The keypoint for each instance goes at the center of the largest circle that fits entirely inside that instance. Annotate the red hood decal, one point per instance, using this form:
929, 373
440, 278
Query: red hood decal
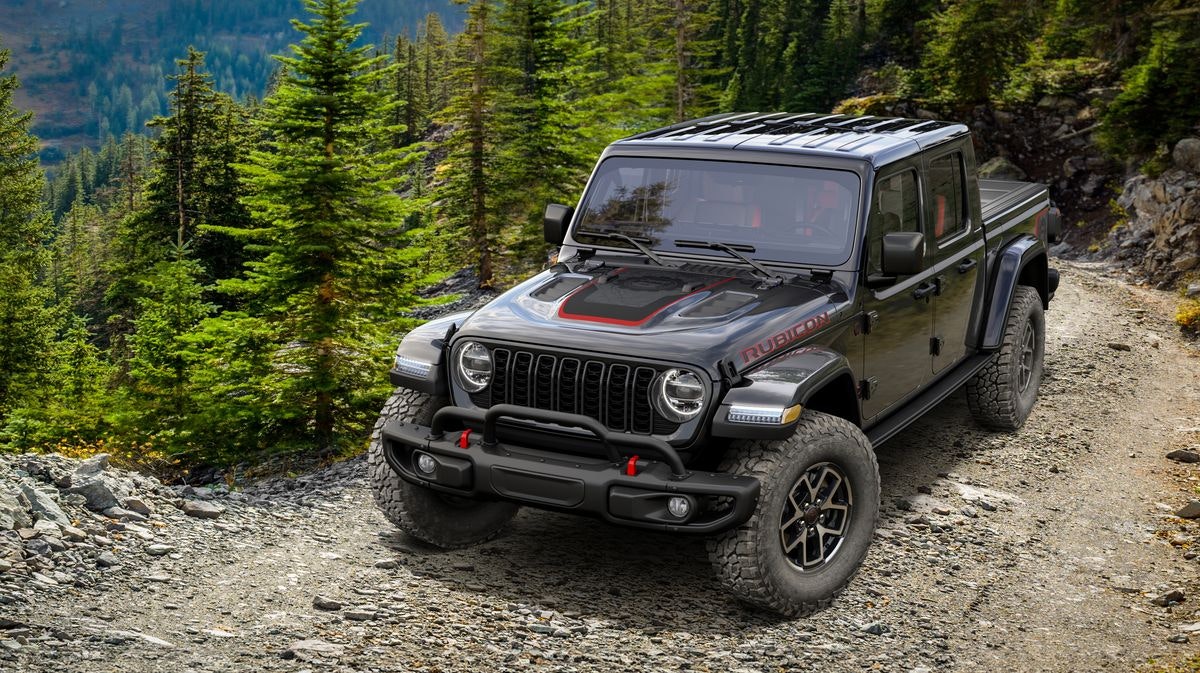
629, 299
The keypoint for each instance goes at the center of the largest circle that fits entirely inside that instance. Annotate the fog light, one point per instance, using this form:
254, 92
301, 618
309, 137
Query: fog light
679, 506
426, 464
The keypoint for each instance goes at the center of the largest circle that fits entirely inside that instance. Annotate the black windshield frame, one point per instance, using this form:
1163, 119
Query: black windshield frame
787, 193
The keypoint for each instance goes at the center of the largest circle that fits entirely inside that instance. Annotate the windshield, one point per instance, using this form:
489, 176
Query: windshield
788, 214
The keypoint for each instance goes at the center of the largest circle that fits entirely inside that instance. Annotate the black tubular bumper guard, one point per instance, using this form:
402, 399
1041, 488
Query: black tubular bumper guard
615, 488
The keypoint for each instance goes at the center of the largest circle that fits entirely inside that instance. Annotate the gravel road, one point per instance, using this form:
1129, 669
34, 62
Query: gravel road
1052, 549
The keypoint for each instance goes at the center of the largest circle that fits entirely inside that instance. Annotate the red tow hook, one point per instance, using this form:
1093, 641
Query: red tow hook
631, 466
464, 440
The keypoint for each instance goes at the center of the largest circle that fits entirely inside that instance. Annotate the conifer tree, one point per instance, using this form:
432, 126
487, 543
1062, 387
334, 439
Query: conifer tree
325, 227
25, 338
468, 188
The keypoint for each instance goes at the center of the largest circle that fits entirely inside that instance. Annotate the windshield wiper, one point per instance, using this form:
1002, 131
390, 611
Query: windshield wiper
735, 249
638, 242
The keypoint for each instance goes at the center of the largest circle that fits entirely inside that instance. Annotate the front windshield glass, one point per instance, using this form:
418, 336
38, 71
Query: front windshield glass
789, 214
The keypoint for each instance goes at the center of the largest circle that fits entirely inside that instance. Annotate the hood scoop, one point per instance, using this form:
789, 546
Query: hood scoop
648, 283
559, 287
720, 304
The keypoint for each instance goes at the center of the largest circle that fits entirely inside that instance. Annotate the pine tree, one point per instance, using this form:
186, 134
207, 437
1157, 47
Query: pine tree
468, 187
25, 338
326, 227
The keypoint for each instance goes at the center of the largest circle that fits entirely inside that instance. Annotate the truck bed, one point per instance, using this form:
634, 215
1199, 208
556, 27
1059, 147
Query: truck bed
1002, 197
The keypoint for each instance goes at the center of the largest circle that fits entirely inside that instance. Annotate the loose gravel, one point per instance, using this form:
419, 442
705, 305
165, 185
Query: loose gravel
1056, 548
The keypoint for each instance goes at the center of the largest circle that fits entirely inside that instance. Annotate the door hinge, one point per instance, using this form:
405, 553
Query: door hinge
869, 320
866, 387
935, 346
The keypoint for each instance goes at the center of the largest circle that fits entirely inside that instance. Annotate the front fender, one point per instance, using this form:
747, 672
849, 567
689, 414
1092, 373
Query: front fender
418, 361
778, 388
1012, 265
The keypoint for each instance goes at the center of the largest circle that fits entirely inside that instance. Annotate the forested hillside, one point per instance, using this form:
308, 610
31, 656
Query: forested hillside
91, 70
232, 280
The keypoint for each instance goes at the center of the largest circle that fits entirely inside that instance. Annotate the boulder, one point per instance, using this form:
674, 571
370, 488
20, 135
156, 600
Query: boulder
97, 490
14, 510
1187, 155
999, 168
43, 506
201, 509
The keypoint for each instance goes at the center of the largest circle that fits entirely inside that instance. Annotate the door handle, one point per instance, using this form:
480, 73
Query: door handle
967, 264
924, 290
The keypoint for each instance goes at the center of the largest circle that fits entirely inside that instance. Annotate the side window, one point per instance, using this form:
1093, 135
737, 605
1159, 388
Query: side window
896, 207
946, 190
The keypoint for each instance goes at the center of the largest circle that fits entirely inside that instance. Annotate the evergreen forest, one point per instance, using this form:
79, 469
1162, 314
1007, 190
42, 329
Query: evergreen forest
228, 281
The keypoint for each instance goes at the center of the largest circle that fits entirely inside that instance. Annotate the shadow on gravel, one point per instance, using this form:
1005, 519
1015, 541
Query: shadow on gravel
648, 581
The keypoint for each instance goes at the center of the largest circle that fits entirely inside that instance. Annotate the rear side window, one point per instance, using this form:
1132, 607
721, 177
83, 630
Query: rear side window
896, 207
946, 190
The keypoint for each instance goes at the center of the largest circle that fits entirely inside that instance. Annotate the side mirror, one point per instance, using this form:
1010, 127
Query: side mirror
903, 253
555, 222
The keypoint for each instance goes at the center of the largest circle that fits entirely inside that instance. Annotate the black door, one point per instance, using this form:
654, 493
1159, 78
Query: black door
897, 344
957, 249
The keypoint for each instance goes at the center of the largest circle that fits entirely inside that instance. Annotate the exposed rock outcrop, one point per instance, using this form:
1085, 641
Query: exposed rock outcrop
1161, 241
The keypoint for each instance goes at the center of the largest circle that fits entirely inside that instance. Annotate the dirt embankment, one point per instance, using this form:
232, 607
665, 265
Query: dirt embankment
1056, 548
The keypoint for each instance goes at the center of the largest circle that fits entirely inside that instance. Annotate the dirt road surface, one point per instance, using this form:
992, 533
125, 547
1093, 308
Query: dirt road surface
1041, 550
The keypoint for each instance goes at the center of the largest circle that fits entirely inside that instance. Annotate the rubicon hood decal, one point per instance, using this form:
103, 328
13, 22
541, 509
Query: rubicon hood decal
631, 299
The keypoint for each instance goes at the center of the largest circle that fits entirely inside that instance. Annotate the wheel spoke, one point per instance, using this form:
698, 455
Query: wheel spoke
816, 516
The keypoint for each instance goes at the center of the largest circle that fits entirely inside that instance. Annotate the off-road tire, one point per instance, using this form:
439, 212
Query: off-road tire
750, 560
994, 394
442, 521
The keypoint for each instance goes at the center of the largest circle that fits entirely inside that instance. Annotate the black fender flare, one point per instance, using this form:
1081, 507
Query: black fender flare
1010, 266
425, 348
781, 384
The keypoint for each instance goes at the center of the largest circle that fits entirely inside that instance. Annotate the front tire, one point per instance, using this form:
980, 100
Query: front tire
816, 515
441, 520
1003, 393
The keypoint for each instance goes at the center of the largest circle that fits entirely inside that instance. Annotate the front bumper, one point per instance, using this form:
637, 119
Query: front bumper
622, 488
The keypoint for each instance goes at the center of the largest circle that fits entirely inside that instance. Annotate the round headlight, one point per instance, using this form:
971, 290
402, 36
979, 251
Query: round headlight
473, 367
680, 395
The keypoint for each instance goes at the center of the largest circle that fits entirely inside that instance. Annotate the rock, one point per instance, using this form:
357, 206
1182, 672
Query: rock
1178, 638
874, 628
43, 506
46, 527
91, 467
969, 511
159, 549
1000, 168
387, 564
1118, 346
326, 603
544, 629
137, 505
360, 614
122, 514
1190, 510
201, 509
986, 505
312, 647
14, 511
37, 547
97, 491
107, 560
1183, 456
1169, 598
1186, 154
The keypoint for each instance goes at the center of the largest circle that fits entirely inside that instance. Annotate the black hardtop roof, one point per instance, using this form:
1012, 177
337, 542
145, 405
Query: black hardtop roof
879, 140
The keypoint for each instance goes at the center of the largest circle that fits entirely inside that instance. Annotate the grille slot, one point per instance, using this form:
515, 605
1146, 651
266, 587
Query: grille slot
614, 393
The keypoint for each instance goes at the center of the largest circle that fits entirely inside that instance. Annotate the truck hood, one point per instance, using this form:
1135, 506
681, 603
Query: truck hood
693, 313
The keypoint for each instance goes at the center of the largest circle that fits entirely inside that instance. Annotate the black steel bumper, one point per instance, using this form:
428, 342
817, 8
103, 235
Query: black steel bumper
621, 488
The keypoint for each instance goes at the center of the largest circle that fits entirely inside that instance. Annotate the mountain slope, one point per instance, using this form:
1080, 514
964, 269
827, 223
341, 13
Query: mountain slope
90, 68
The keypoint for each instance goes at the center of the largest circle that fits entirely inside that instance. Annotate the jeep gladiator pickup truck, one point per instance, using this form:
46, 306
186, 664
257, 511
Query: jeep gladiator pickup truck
741, 308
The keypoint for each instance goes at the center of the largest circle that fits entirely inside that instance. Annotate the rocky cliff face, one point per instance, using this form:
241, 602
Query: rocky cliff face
1161, 241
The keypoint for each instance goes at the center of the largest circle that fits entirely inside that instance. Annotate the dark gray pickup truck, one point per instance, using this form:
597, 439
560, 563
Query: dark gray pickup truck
742, 307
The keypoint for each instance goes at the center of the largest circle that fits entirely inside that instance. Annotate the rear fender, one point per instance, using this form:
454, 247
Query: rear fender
1022, 262
775, 389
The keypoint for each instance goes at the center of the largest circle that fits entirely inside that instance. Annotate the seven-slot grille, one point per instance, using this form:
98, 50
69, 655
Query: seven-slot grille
616, 394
